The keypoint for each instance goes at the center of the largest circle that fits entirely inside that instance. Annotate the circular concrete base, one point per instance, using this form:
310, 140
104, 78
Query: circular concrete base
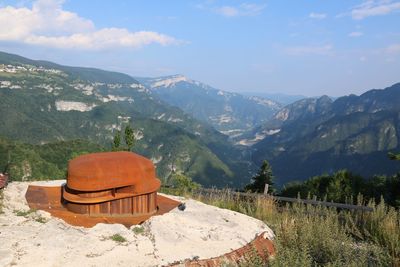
200, 234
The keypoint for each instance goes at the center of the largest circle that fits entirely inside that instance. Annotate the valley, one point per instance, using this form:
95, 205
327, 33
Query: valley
90, 104
216, 137
230, 113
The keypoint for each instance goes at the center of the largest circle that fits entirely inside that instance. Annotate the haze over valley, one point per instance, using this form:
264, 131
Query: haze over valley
199, 132
216, 137
312, 89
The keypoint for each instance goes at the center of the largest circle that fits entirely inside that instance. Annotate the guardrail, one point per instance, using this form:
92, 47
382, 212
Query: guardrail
288, 199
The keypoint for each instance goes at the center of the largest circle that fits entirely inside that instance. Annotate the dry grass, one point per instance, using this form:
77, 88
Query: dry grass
381, 227
318, 236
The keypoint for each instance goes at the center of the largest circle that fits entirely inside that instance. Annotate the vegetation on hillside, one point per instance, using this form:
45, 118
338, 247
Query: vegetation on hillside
393, 156
258, 181
231, 113
181, 183
318, 236
49, 161
26, 162
129, 140
344, 187
319, 135
129, 137
308, 235
30, 100
116, 144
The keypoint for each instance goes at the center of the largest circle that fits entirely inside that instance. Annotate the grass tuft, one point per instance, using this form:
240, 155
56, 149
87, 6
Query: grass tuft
138, 230
24, 213
40, 219
118, 238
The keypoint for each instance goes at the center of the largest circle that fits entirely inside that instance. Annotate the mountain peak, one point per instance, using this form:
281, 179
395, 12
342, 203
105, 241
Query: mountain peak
169, 81
325, 98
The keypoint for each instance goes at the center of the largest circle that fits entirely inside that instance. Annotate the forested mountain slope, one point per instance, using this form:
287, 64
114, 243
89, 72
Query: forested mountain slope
44, 102
313, 136
230, 113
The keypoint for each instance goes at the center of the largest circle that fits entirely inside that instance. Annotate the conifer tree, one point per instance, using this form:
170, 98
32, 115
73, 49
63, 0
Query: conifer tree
264, 176
393, 156
129, 137
117, 141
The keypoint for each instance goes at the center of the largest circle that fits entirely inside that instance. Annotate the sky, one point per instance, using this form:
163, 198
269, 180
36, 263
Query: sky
303, 47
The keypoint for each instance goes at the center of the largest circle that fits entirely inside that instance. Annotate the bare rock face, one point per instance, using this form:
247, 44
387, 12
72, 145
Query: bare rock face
73, 105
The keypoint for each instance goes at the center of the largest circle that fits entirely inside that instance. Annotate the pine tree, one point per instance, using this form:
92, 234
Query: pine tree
117, 141
393, 156
129, 137
264, 176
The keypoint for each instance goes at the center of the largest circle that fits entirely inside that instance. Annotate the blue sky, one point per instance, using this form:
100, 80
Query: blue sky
296, 47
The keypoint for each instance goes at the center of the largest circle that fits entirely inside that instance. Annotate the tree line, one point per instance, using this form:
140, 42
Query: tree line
128, 138
342, 186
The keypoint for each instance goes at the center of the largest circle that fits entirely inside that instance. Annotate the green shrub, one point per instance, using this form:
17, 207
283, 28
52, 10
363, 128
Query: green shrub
40, 219
180, 183
138, 230
118, 238
23, 213
251, 258
380, 227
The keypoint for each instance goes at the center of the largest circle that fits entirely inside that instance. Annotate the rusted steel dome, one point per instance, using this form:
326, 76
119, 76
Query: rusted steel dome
111, 183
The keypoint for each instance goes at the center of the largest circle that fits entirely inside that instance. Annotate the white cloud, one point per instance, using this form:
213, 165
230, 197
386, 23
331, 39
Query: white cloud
309, 50
317, 15
46, 23
244, 9
104, 38
356, 34
363, 58
374, 8
393, 49
252, 9
227, 11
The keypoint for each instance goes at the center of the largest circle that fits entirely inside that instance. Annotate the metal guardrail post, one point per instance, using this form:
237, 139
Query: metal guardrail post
266, 189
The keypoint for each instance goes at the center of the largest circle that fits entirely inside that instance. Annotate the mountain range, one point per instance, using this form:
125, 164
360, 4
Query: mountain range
230, 113
42, 102
283, 99
318, 135
216, 137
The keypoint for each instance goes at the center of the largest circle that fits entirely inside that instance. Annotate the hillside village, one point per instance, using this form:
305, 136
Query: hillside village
26, 68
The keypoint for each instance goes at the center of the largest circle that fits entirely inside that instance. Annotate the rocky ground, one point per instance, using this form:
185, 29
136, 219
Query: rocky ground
34, 238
